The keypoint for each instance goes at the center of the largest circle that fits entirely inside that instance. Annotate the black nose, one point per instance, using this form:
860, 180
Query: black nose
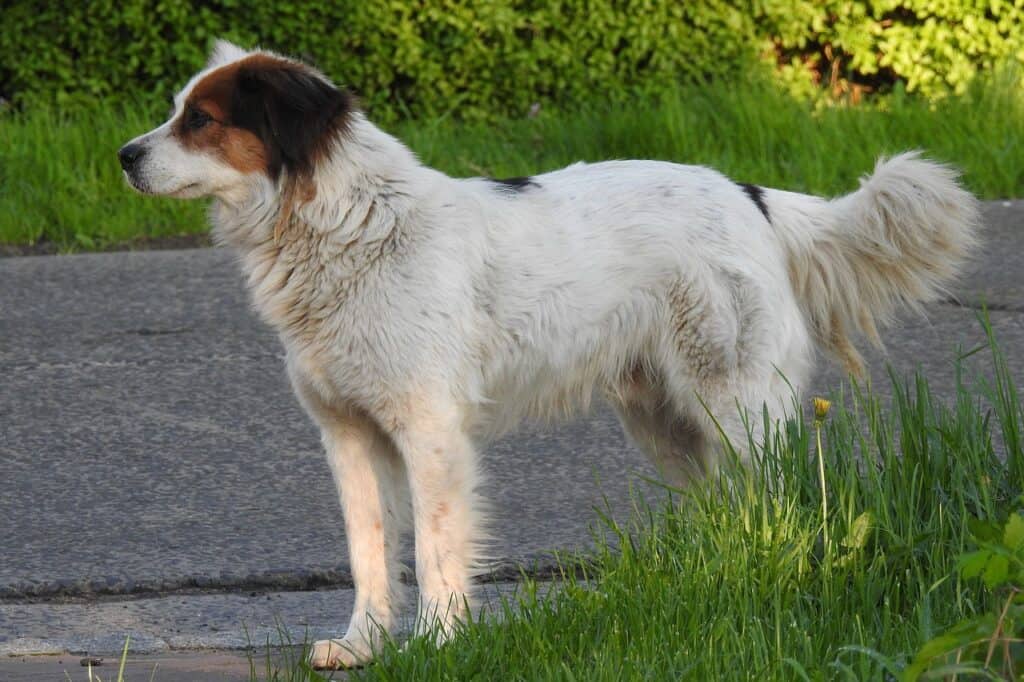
130, 154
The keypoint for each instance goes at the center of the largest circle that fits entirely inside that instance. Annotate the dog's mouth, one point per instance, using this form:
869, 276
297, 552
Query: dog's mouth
136, 184
186, 191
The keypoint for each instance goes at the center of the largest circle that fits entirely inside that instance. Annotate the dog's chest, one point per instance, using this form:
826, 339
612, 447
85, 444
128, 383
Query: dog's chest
361, 347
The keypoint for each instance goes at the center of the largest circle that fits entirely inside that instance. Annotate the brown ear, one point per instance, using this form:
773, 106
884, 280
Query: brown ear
294, 110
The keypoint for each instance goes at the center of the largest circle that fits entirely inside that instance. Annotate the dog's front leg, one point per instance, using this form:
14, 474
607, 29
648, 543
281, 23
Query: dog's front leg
371, 483
442, 467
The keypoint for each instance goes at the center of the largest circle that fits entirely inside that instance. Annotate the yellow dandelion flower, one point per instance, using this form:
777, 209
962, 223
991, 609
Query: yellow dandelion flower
821, 407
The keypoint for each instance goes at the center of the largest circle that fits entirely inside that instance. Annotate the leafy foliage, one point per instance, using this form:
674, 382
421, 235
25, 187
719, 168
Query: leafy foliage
931, 46
988, 643
483, 59
425, 57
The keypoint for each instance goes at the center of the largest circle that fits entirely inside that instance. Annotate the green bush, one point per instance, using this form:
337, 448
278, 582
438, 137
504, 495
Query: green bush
424, 57
932, 46
477, 58
472, 58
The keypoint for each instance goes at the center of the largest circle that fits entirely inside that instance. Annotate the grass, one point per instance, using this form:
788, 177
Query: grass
62, 183
736, 580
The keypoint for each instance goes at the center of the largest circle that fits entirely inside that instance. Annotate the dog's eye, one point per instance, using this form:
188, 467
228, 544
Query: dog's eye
196, 119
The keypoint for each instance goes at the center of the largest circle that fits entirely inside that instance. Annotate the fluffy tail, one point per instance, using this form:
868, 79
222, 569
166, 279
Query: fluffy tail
899, 240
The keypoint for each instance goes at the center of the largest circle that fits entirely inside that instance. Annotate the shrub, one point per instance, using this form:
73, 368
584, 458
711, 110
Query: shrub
478, 59
424, 57
933, 46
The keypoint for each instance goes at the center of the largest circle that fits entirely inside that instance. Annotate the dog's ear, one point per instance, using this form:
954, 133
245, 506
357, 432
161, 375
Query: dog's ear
295, 110
224, 52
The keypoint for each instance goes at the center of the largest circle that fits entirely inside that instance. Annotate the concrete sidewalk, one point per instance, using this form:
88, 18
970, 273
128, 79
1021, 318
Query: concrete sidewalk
213, 666
150, 446
190, 636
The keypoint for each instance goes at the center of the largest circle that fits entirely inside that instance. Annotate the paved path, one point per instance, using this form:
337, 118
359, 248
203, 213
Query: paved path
149, 441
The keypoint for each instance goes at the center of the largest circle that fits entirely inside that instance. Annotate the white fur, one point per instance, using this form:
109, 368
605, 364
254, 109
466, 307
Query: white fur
422, 315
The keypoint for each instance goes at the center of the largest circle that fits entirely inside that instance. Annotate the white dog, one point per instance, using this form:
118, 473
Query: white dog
423, 314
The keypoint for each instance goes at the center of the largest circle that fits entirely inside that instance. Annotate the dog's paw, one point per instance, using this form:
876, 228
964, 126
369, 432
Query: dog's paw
334, 654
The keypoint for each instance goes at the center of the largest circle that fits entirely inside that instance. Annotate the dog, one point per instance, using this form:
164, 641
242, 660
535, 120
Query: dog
422, 315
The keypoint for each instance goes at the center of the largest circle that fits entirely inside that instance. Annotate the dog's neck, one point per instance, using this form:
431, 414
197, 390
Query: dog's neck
348, 216
355, 194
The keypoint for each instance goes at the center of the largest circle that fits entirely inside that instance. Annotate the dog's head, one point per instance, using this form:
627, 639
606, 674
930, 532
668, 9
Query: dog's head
245, 117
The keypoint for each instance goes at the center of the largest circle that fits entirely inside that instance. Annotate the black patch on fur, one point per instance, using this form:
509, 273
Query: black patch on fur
756, 195
514, 185
293, 110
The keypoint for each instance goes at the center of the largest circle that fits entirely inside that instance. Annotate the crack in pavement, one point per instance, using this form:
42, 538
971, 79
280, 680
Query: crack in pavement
541, 567
245, 621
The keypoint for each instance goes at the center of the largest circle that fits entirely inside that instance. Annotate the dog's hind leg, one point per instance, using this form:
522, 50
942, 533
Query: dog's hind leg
673, 442
689, 443
720, 361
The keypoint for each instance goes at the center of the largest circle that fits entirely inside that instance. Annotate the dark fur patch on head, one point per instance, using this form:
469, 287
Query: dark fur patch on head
268, 113
293, 109
756, 195
514, 185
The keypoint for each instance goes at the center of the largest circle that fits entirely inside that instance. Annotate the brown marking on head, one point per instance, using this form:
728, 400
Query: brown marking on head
266, 113
207, 122
270, 115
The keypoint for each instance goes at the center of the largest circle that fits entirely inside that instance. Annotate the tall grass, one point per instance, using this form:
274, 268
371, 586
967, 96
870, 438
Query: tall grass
61, 181
734, 581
